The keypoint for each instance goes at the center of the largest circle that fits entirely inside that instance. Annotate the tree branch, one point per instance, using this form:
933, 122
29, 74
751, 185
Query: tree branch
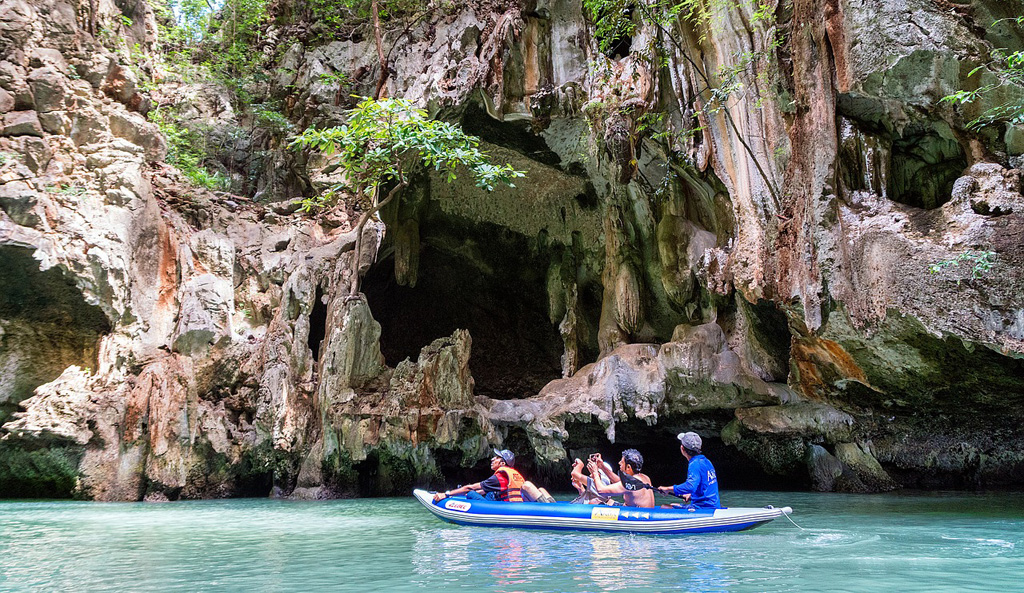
725, 108
402, 183
379, 40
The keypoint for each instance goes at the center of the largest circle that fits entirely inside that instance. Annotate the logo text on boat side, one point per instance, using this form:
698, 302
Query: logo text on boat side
605, 514
457, 505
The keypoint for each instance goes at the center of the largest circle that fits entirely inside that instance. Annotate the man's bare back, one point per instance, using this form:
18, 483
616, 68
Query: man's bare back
643, 498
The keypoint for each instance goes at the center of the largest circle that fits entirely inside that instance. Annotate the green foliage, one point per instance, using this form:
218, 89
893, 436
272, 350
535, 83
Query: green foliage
1006, 70
186, 150
674, 22
331, 78
110, 36
979, 262
113, 34
343, 19
613, 19
271, 120
241, 29
190, 18
222, 44
381, 139
66, 189
38, 473
183, 27
226, 43
653, 125
341, 81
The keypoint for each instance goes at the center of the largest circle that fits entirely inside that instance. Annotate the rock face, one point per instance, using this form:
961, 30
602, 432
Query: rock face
823, 278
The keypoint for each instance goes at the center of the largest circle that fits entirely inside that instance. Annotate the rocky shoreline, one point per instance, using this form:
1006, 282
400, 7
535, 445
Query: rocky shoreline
162, 341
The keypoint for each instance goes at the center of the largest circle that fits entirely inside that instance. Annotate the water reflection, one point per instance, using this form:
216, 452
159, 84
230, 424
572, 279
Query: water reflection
624, 561
606, 563
513, 561
442, 551
909, 543
707, 574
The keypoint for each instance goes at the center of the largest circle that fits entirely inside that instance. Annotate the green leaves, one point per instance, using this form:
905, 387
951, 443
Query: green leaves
1004, 84
186, 150
961, 97
380, 139
215, 40
612, 19
980, 263
343, 19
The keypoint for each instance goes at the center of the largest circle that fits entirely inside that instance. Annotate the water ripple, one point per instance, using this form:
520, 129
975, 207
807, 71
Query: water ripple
850, 544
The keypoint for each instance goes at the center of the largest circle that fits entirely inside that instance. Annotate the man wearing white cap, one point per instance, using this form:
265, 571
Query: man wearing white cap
701, 486
507, 484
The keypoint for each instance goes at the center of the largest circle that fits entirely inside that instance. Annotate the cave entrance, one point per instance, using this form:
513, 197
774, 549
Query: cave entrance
45, 327
916, 165
317, 324
479, 277
662, 460
924, 167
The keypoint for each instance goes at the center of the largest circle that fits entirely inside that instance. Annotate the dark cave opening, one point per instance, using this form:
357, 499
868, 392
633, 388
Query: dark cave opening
482, 278
515, 135
915, 165
38, 472
317, 324
924, 167
45, 326
769, 342
663, 461
384, 474
619, 47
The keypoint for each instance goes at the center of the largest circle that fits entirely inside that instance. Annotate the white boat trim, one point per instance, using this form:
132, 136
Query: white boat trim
721, 518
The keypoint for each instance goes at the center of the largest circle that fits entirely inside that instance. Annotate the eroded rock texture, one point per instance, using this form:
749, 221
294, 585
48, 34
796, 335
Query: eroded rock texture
760, 276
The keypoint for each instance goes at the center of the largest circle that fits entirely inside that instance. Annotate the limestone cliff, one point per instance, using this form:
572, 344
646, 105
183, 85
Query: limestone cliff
759, 273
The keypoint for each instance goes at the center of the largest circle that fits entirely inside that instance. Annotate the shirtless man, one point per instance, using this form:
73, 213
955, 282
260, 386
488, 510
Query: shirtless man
630, 464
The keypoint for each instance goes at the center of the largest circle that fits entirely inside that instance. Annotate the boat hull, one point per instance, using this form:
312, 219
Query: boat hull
564, 516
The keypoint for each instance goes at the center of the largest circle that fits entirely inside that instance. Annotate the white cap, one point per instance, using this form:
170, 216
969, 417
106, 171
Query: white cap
690, 440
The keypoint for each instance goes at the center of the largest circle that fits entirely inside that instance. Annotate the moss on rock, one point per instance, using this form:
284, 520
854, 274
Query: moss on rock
39, 473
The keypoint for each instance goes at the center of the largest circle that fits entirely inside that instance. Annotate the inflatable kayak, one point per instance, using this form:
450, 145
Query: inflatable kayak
584, 517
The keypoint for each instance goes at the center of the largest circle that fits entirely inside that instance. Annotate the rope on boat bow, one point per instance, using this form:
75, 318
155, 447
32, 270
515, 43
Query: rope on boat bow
786, 515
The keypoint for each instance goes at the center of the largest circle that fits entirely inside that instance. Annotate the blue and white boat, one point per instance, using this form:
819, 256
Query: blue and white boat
584, 517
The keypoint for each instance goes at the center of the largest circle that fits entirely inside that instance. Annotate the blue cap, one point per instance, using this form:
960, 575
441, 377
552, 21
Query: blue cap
507, 456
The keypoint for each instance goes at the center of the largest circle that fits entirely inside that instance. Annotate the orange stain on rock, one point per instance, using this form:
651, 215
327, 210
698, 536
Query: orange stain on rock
820, 362
167, 275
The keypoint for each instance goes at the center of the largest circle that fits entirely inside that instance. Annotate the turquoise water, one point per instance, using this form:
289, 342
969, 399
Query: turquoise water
878, 543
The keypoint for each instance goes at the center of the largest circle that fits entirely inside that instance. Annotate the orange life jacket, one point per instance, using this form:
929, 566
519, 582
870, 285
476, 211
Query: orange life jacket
513, 491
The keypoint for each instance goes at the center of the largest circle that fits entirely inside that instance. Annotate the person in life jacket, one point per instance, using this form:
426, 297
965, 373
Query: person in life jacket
701, 486
507, 484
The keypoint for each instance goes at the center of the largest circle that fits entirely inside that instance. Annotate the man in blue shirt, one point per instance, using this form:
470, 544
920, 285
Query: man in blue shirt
701, 486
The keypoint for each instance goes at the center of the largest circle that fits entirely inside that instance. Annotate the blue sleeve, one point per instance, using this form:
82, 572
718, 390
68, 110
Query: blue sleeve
691, 483
491, 484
